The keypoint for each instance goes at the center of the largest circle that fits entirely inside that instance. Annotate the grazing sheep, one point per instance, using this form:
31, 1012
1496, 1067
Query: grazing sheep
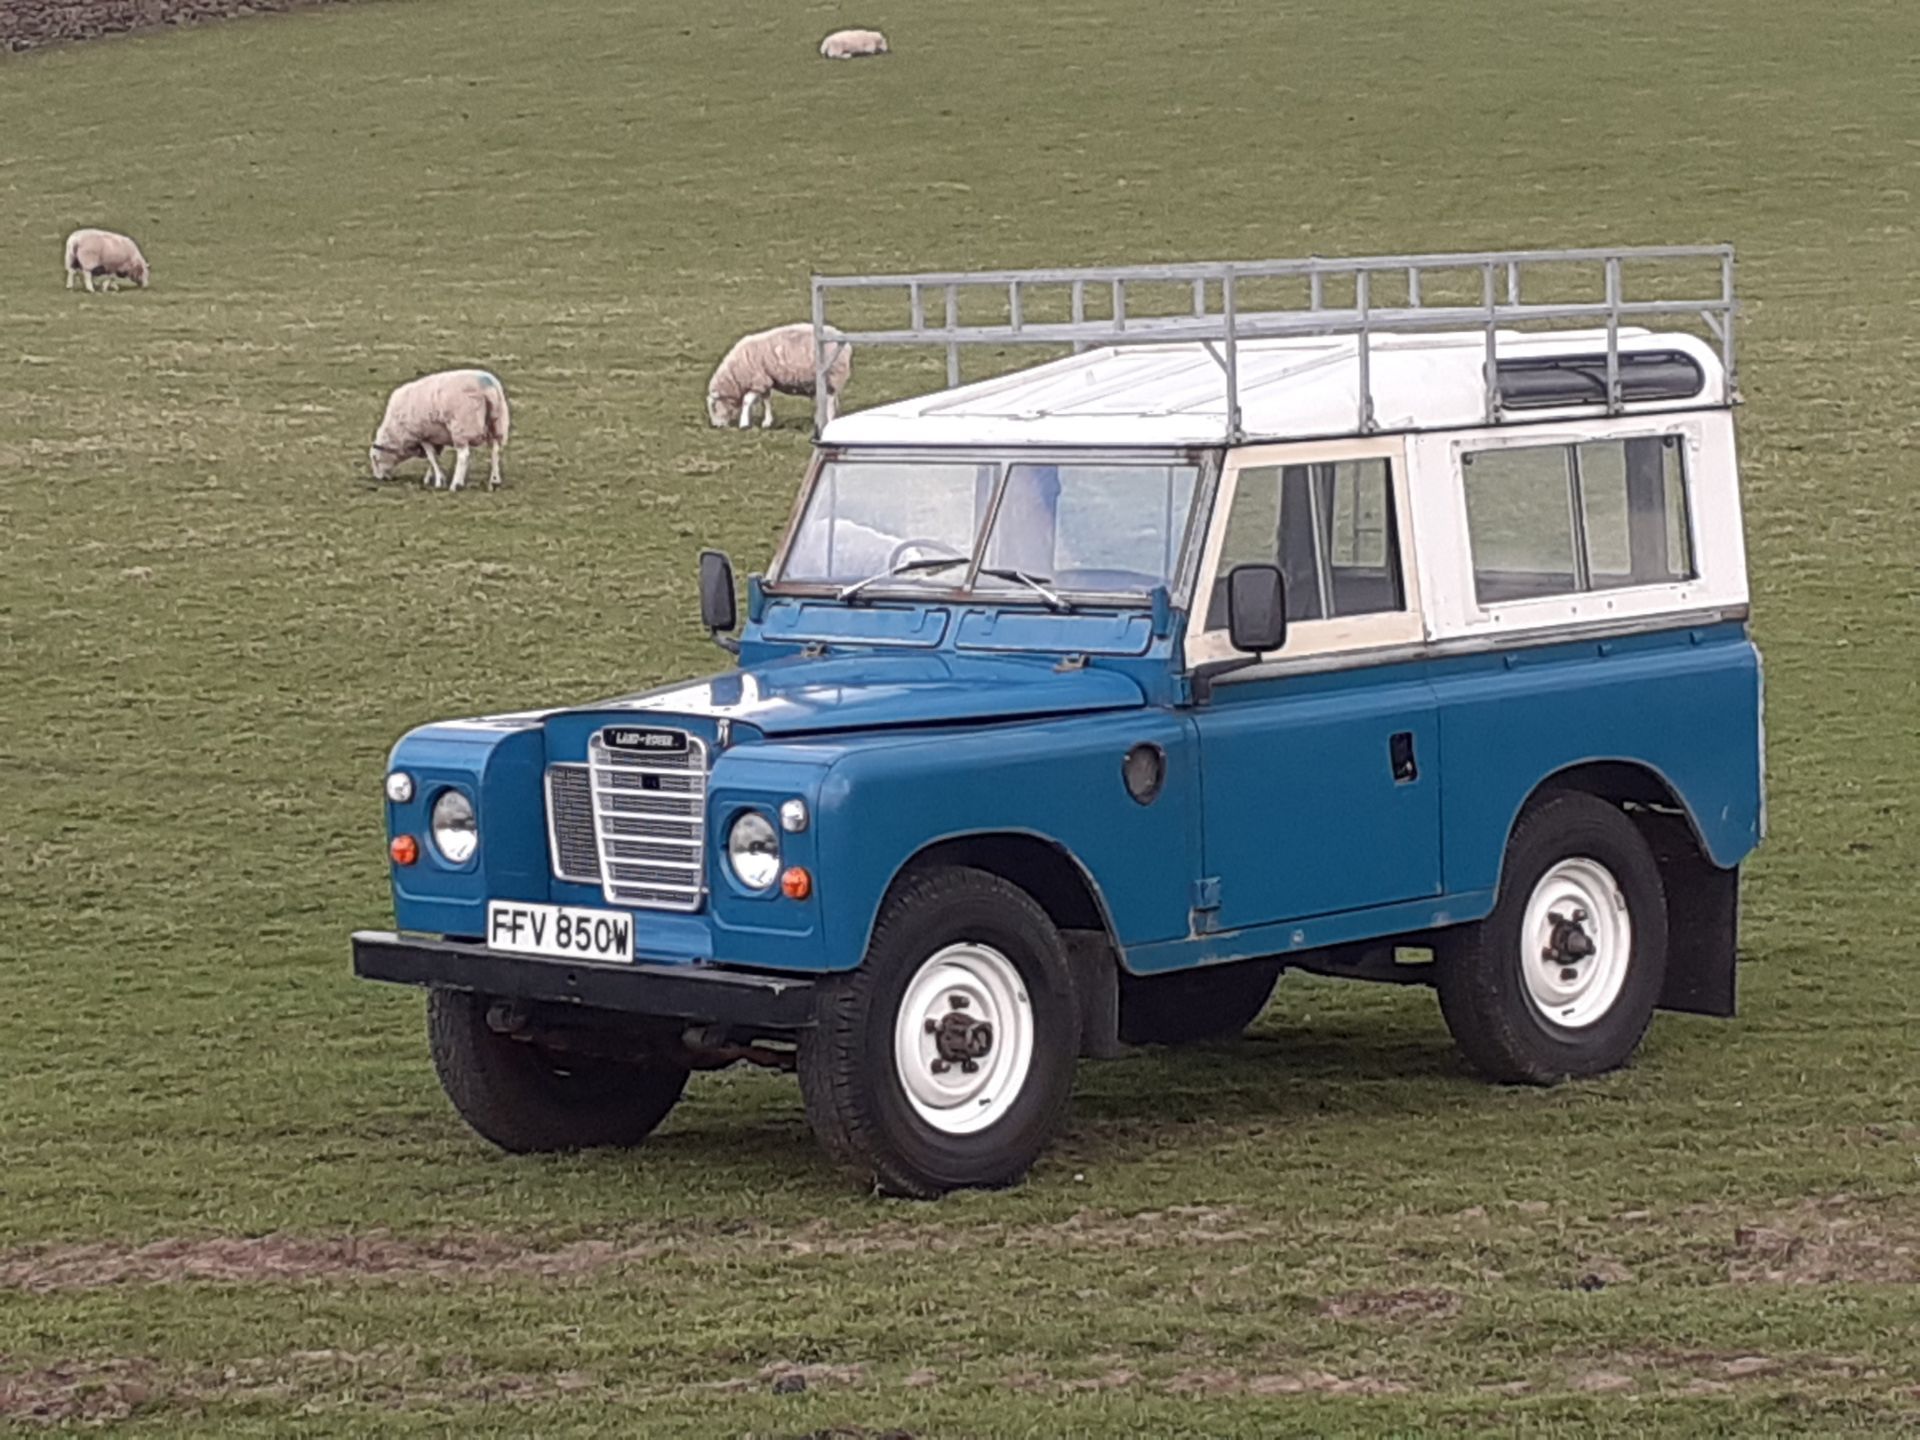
778, 359
461, 408
110, 256
858, 550
852, 44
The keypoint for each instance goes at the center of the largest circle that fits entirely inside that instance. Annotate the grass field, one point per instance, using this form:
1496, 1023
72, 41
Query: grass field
231, 1193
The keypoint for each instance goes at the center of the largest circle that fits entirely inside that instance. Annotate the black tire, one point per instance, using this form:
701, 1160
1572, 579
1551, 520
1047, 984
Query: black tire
855, 1098
526, 1099
1215, 1002
1483, 991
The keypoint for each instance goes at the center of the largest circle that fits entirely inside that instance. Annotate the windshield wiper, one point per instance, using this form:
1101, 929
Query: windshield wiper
1036, 583
906, 567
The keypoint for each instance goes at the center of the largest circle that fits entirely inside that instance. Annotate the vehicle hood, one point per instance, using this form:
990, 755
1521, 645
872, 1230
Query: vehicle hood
853, 692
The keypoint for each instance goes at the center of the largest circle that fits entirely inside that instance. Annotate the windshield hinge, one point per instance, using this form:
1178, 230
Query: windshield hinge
1070, 662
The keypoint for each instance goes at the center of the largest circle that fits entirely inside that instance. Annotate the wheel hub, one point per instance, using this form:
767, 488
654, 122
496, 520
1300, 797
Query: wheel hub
1579, 939
963, 1038
959, 1039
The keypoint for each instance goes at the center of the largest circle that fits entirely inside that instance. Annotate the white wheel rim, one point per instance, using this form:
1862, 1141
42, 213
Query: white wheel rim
958, 990
1576, 944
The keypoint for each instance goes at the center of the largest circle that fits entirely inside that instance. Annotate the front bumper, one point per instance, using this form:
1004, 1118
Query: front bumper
704, 993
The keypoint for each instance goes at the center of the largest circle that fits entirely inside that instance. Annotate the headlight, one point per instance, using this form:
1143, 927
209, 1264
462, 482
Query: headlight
753, 849
399, 787
455, 834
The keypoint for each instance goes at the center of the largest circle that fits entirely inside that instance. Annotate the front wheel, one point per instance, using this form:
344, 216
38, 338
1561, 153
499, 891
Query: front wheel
946, 1060
1562, 978
526, 1098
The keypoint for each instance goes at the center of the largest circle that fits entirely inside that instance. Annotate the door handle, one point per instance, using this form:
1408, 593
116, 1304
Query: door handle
1400, 754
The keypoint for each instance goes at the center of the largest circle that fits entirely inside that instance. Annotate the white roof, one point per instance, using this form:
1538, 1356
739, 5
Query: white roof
1295, 388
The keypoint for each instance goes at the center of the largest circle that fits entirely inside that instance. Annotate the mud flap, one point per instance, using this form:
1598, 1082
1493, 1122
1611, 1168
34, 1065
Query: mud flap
1703, 929
1096, 980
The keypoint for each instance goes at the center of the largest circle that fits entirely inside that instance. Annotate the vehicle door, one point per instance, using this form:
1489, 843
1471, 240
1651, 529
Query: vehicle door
1320, 763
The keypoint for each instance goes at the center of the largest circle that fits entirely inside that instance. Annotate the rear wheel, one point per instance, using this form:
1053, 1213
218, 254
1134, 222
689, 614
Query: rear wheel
946, 1060
1215, 1002
525, 1098
1562, 978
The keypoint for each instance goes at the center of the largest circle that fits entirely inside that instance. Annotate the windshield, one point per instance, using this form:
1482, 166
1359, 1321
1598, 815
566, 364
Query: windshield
1110, 528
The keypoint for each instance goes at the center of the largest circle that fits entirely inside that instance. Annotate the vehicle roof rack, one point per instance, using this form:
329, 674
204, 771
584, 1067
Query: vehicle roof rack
1218, 322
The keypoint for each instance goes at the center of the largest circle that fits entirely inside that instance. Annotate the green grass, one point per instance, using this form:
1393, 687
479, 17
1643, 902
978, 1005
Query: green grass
212, 625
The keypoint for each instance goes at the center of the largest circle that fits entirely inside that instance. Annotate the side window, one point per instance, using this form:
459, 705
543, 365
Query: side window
1563, 519
1329, 527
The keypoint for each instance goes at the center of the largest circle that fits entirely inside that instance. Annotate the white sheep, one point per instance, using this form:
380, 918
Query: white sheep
852, 44
858, 550
110, 256
778, 359
461, 408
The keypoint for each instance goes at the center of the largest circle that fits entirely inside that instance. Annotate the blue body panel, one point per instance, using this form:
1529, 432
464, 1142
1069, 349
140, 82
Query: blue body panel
1281, 826
840, 692
1682, 703
499, 767
1304, 815
1058, 781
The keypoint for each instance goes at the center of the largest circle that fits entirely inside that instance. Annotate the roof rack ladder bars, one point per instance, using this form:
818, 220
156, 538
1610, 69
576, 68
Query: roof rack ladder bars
1730, 389
1492, 368
1361, 277
1325, 314
1613, 335
821, 402
1229, 312
953, 346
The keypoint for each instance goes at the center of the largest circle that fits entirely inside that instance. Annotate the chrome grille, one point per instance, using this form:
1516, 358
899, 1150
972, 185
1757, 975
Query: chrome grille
649, 817
571, 847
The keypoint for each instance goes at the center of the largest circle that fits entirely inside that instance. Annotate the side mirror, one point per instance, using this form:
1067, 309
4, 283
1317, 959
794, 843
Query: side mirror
1256, 608
718, 611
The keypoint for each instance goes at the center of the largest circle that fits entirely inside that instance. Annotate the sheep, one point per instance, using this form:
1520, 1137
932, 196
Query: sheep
858, 550
778, 359
113, 257
461, 408
852, 44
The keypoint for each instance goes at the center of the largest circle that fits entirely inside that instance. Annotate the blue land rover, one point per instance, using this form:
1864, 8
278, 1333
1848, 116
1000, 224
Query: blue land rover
1398, 633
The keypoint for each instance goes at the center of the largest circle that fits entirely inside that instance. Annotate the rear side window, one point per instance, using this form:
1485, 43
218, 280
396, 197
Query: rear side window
1563, 519
1330, 529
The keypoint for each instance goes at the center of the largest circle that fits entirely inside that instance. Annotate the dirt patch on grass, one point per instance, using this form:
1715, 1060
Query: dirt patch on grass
28, 24
101, 1391
1832, 1241
1829, 1241
1214, 1382
272, 1259
1398, 1306
78, 1391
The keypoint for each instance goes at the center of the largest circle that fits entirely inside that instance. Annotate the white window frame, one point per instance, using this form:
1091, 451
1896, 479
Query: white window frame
1311, 639
1445, 559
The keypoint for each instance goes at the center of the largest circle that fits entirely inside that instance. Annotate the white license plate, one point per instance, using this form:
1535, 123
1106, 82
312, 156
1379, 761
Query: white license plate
559, 932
